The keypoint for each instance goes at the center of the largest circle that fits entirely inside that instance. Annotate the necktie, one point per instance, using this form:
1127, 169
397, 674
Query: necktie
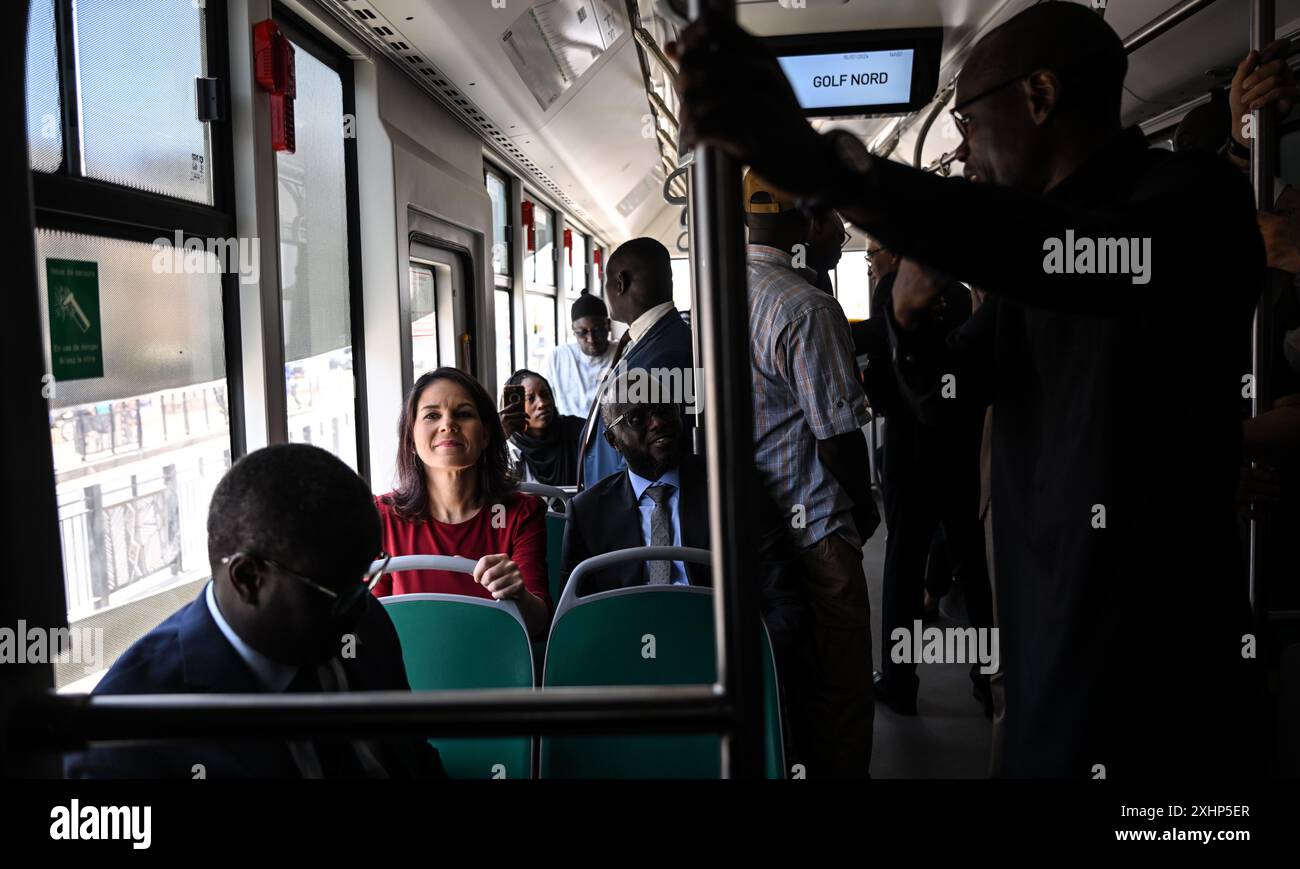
594, 410
332, 758
661, 533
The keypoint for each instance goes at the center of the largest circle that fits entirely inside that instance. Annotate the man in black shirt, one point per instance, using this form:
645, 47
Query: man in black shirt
1121, 597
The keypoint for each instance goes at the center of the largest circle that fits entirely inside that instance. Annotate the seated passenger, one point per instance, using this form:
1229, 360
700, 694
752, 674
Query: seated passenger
575, 370
659, 499
453, 497
291, 531
543, 444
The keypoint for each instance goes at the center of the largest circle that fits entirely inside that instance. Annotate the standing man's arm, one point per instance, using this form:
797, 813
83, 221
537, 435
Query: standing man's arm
818, 366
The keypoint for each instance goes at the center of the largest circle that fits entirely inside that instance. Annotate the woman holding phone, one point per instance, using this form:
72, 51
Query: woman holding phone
543, 444
454, 497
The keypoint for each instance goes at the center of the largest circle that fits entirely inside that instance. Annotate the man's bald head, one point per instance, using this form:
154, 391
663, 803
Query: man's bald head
1038, 96
638, 276
1070, 40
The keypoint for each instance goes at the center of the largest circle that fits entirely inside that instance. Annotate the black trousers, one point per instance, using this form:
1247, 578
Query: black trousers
924, 494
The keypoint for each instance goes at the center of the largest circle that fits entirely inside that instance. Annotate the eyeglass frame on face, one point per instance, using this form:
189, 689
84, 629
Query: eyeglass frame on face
342, 606
650, 410
963, 121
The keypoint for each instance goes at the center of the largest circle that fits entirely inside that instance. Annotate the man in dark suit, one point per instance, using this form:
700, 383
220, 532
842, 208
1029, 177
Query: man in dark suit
639, 289
262, 627
659, 498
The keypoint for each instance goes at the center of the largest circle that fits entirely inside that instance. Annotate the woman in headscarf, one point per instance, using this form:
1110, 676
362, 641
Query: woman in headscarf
543, 444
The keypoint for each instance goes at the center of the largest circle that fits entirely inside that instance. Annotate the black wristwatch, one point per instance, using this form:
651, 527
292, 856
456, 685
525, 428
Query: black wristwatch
1236, 149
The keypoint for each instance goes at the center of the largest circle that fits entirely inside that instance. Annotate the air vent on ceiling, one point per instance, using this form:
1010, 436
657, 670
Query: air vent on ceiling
383, 35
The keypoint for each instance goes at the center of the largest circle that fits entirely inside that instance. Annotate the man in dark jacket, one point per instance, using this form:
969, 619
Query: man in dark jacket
291, 531
639, 288
1123, 610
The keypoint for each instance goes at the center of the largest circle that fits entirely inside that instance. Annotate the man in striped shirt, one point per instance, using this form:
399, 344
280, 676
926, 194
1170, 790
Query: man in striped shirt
809, 410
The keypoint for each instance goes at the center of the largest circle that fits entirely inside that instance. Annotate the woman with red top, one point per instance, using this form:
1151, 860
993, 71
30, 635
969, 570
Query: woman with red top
453, 498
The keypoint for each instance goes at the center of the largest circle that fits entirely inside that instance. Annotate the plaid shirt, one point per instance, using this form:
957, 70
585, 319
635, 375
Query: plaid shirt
805, 390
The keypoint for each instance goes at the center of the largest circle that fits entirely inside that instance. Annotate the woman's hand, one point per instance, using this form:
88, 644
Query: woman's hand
500, 576
513, 419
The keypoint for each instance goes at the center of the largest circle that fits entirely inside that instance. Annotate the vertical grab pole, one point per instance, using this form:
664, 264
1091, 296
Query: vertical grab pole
718, 241
1263, 169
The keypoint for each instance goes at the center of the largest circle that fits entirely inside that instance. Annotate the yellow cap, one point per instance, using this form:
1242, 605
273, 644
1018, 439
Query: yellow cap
762, 198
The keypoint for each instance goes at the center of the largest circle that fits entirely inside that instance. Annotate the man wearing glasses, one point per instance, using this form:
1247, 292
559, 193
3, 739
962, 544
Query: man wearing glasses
1121, 594
574, 370
659, 499
261, 626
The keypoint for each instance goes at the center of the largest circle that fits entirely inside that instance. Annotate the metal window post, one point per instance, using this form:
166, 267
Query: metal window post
718, 241
1263, 169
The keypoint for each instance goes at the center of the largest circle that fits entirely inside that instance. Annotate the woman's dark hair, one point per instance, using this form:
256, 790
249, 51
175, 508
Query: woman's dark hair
523, 374
410, 500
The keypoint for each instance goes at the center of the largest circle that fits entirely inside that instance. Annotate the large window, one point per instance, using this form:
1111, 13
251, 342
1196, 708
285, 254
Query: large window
136, 276
320, 384
140, 426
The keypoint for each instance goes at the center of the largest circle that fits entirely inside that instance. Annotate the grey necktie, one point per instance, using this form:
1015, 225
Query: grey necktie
661, 533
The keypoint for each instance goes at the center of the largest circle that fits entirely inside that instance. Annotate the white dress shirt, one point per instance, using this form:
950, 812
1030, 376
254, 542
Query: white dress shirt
271, 675
642, 324
575, 377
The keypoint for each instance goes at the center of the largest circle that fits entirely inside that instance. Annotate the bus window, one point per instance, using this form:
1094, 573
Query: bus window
139, 426
852, 285
504, 338
578, 272
682, 283
424, 320
498, 192
154, 143
44, 117
502, 263
539, 264
319, 381
540, 322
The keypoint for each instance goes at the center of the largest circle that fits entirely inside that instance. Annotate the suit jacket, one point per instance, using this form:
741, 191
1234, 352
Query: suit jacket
666, 344
188, 654
606, 517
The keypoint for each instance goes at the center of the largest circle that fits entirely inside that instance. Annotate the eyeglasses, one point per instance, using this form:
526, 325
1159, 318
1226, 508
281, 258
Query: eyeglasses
958, 111
347, 603
872, 253
639, 417
593, 333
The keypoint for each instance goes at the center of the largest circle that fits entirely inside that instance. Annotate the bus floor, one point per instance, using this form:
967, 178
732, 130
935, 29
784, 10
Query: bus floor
949, 737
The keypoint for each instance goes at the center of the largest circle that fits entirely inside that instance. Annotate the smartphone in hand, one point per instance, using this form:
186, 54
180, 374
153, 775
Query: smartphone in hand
512, 401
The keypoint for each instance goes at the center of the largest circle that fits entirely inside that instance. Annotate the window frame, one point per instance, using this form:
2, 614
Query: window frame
306, 37
68, 202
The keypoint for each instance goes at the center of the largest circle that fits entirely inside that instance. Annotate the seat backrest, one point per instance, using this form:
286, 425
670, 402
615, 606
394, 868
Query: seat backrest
643, 635
452, 642
555, 554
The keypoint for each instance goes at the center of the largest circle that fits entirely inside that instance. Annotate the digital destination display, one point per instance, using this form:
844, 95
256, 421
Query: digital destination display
857, 78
